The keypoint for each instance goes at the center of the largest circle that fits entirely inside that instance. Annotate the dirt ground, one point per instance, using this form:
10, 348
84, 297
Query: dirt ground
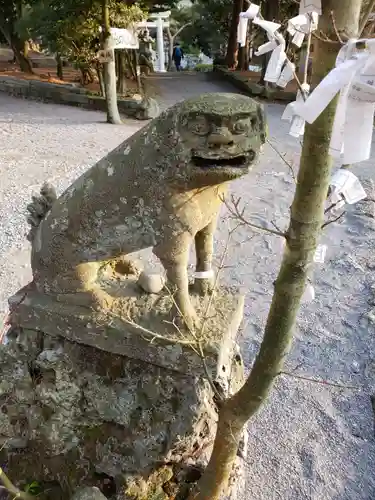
45, 70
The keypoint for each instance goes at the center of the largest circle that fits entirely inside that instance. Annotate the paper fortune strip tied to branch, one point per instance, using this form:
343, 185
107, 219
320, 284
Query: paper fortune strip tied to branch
301, 25
307, 6
346, 186
354, 78
251, 13
276, 44
298, 123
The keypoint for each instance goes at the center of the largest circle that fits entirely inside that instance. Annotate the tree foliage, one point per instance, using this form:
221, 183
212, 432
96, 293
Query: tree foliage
72, 28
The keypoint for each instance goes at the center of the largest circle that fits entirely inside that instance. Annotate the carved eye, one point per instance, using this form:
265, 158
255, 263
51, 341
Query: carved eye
199, 126
241, 126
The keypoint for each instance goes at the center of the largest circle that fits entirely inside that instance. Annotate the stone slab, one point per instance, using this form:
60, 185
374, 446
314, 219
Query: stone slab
140, 327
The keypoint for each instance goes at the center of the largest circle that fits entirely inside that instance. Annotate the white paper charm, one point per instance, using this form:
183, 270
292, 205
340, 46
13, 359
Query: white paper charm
298, 38
306, 6
347, 185
287, 74
275, 64
354, 78
266, 47
268, 26
320, 254
242, 31
251, 13
297, 128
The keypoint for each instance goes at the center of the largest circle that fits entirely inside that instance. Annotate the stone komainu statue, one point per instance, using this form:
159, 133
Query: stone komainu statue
161, 188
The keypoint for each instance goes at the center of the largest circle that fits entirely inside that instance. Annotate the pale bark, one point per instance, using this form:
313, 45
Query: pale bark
307, 215
171, 39
109, 70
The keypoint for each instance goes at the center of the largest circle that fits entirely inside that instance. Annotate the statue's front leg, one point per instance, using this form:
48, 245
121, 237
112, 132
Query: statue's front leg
204, 275
174, 256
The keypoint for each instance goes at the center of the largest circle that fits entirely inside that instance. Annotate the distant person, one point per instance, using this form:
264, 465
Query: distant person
177, 55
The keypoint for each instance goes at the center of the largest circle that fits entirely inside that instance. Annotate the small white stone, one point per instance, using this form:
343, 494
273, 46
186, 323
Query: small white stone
151, 283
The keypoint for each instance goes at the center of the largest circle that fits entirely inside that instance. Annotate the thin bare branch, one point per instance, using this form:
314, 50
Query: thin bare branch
13, 490
365, 18
152, 334
328, 222
182, 28
319, 381
199, 350
238, 215
308, 49
289, 165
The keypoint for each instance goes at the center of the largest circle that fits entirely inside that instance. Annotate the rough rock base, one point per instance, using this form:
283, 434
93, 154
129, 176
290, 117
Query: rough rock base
133, 415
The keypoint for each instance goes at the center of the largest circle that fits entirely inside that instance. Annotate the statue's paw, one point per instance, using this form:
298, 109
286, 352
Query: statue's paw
203, 287
191, 321
101, 299
96, 299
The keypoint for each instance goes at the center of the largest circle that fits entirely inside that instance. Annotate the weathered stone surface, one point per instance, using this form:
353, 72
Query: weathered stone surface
83, 411
161, 188
89, 494
148, 334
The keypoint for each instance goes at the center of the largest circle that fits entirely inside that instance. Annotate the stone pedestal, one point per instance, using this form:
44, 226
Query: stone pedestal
121, 397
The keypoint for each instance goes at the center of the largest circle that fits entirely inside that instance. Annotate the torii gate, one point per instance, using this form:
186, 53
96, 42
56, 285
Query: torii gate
160, 23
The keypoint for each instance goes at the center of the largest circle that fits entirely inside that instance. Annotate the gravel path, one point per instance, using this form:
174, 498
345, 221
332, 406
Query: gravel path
310, 441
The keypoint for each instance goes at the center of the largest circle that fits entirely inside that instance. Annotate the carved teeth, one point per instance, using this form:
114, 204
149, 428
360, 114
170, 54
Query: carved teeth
236, 161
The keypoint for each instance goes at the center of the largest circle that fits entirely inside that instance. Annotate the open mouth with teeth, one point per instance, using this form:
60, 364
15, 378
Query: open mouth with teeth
240, 161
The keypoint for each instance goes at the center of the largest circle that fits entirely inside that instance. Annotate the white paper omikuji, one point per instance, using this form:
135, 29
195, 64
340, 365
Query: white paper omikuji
354, 78
287, 74
266, 47
320, 254
268, 26
242, 31
306, 6
275, 64
303, 23
298, 123
328, 88
346, 184
251, 13
298, 38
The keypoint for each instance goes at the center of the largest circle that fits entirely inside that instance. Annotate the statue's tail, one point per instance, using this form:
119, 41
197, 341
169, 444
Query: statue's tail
39, 207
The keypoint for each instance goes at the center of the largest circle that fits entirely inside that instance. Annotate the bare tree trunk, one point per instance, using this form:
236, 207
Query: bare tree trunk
20, 51
231, 57
99, 72
113, 115
307, 214
171, 40
121, 73
138, 73
170, 49
59, 66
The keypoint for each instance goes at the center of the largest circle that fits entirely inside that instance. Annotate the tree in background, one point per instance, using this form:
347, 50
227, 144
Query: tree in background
181, 18
210, 27
11, 12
